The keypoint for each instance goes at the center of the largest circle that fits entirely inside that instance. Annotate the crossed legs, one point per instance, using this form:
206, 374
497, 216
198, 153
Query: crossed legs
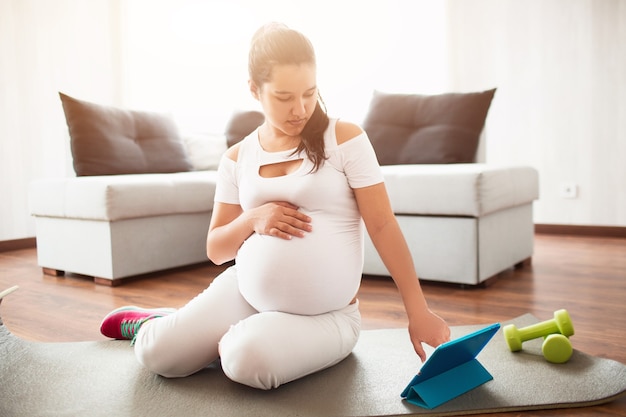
259, 349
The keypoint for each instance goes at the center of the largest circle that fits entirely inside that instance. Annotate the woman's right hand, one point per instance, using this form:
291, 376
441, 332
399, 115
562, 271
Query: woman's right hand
231, 226
280, 219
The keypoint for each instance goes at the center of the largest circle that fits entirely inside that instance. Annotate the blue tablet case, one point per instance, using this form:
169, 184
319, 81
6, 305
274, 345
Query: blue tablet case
451, 370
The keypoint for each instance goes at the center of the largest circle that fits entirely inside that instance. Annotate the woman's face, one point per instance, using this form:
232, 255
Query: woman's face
288, 100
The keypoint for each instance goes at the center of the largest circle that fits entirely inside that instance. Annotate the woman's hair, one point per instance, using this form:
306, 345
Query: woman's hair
276, 44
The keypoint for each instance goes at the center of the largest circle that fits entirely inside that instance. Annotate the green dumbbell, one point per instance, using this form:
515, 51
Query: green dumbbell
561, 323
557, 348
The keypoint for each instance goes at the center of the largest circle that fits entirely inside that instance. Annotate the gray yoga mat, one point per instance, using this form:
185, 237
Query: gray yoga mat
102, 378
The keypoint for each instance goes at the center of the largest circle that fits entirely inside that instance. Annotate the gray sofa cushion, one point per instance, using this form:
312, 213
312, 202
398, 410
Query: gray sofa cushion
422, 129
241, 124
107, 140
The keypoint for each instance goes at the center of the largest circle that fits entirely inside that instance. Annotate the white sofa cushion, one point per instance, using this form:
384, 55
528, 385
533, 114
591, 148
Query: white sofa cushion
204, 150
439, 190
117, 197
459, 189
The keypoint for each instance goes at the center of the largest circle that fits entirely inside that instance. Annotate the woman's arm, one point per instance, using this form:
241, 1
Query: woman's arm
227, 231
382, 226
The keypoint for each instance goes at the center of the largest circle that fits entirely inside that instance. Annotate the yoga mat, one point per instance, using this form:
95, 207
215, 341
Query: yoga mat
102, 378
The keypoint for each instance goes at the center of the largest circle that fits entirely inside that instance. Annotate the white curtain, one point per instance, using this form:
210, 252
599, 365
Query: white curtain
47, 46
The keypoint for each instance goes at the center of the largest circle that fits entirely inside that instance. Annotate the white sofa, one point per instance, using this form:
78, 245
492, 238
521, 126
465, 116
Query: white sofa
464, 222
116, 226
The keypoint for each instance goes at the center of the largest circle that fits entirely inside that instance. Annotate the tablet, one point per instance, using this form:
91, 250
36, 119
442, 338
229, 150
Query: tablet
456, 352
451, 370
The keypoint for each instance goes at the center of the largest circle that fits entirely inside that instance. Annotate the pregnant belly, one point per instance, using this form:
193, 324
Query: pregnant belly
312, 275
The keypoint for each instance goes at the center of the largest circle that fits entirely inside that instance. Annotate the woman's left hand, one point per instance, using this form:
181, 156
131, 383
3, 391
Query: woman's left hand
428, 328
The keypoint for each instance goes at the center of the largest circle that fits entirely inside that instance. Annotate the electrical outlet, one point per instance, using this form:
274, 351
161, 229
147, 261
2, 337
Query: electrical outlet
568, 190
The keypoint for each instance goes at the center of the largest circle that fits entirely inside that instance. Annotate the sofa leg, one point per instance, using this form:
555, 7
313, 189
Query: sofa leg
107, 282
53, 272
488, 282
526, 262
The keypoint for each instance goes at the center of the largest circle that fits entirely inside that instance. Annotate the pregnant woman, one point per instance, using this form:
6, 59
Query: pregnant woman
291, 203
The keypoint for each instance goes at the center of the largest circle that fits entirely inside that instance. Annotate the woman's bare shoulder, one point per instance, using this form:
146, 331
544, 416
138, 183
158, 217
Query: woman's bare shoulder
232, 152
344, 131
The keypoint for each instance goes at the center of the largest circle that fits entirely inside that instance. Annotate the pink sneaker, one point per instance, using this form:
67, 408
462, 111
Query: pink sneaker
124, 322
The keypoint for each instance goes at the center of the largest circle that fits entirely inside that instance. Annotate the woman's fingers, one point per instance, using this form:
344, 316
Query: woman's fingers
287, 221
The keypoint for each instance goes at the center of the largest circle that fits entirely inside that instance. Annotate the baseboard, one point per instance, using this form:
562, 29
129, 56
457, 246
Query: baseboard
17, 244
580, 230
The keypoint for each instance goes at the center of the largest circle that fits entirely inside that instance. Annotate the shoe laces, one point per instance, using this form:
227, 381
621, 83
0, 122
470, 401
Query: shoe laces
129, 328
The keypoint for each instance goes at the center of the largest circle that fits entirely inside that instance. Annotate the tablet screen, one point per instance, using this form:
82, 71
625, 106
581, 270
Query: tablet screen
456, 352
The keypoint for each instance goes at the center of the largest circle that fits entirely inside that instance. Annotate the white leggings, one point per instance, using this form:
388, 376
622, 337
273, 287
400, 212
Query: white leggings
262, 350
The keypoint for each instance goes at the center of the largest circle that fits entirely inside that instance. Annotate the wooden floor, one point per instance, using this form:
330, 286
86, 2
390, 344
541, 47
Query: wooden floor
585, 275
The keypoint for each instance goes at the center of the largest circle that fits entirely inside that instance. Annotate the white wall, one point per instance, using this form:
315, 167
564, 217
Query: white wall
559, 65
186, 57
560, 69
189, 57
